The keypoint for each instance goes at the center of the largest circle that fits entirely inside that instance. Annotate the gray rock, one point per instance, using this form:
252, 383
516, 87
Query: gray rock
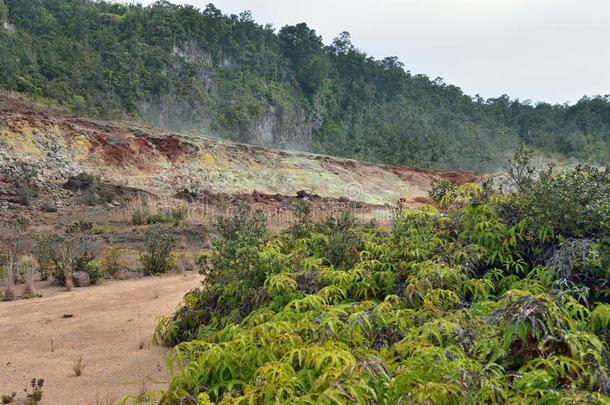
81, 279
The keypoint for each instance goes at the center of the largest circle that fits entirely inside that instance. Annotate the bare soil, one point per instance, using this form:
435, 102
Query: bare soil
111, 327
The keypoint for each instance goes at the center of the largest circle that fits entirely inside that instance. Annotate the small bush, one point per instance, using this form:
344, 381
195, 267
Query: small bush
155, 219
8, 398
3, 264
138, 218
111, 261
25, 195
440, 190
48, 254
105, 194
80, 182
173, 216
159, 244
95, 270
35, 396
26, 265
176, 215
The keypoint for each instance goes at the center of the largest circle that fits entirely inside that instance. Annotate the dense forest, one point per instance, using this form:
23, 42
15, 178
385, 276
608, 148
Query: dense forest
202, 71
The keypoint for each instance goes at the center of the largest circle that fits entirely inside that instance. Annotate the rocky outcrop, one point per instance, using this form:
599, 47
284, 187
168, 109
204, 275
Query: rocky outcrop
282, 123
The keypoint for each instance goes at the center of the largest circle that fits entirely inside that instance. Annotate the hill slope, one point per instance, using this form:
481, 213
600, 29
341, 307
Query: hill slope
185, 69
55, 146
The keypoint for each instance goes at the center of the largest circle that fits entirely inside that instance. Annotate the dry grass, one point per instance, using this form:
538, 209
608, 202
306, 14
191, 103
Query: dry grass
106, 400
78, 366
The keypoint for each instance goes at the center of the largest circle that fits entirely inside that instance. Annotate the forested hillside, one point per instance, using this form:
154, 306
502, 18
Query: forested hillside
190, 69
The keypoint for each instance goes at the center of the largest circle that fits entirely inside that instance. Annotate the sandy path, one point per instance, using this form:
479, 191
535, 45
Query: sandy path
109, 322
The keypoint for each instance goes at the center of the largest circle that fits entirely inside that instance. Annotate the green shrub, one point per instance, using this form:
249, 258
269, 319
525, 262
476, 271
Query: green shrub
159, 257
174, 216
48, 252
156, 219
95, 270
138, 217
573, 203
25, 265
111, 261
475, 303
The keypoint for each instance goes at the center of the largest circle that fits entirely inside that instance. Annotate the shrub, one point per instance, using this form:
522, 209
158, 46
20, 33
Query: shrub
467, 305
25, 195
111, 261
35, 396
8, 398
173, 216
4, 260
26, 265
176, 215
79, 182
441, 190
48, 252
235, 247
138, 218
159, 244
573, 203
61, 255
155, 219
95, 270
79, 250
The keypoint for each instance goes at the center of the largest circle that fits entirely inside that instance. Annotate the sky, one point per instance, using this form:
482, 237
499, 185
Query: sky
540, 50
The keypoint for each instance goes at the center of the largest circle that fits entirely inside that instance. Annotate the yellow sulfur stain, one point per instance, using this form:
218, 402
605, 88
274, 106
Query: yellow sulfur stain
80, 146
58, 135
22, 140
207, 160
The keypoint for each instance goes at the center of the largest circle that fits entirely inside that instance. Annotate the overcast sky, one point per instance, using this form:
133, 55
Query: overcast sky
542, 50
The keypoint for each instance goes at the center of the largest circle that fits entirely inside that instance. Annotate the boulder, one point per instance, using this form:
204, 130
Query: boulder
81, 279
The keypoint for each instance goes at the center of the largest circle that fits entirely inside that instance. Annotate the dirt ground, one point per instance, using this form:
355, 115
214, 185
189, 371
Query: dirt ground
108, 325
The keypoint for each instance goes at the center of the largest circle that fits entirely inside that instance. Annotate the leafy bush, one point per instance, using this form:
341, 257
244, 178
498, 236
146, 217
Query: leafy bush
111, 261
138, 218
159, 256
460, 306
573, 203
174, 216
25, 266
95, 270
58, 255
48, 252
